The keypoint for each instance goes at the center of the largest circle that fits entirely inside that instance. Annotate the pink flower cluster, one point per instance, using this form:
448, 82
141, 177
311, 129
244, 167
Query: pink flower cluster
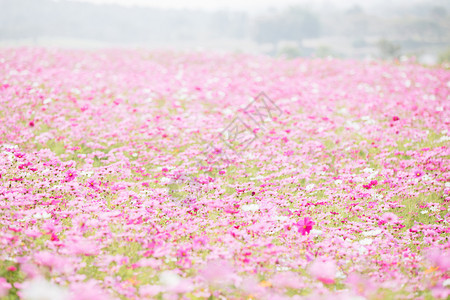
344, 194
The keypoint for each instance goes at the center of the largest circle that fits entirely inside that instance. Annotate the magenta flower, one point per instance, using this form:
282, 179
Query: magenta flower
92, 184
305, 225
418, 173
70, 175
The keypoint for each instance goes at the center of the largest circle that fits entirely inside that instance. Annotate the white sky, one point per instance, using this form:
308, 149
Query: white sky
248, 5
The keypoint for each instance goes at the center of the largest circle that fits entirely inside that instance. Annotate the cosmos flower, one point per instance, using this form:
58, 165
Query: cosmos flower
439, 258
39, 288
85, 197
305, 225
218, 272
4, 287
390, 218
323, 270
418, 173
70, 175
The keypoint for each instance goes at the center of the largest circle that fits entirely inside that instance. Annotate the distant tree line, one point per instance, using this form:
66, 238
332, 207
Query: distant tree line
113, 23
409, 28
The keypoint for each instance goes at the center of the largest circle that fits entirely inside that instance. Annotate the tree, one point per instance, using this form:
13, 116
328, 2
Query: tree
388, 49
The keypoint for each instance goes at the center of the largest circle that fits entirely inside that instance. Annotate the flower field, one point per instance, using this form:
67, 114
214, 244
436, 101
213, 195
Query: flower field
129, 174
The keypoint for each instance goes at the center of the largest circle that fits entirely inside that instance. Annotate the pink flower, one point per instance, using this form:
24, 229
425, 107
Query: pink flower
4, 287
218, 273
360, 285
92, 184
323, 270
251, 286
439, 258
440, 292
287, 280
418, 173
87, 291
70, 175
149, 290
305, 225
390, 218
82, 247
367, 186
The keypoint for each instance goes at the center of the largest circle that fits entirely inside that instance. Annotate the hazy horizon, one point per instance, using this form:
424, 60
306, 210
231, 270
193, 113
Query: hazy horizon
248, 5
346, 29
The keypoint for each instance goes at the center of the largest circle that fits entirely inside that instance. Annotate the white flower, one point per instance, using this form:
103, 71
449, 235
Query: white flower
353, 125
434, 208
86, 173
45, 171
356, 297
424, 212
446, 282
447, 184
9, 155
9, 146
47, 100
41, 289
426, 177
310, 187
165, 180
368, 120
372, 175
227, 111
372, 232
359, 179
43, 215
338, 182
444, 138
366, 241
377, 196
169, 279
368, 170
249, 155
250, 207
408, 83
363, 250
24, 174
340, 274
281, 218
343, 111
316, 232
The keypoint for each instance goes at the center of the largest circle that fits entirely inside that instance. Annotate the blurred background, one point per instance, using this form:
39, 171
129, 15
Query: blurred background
368, 29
